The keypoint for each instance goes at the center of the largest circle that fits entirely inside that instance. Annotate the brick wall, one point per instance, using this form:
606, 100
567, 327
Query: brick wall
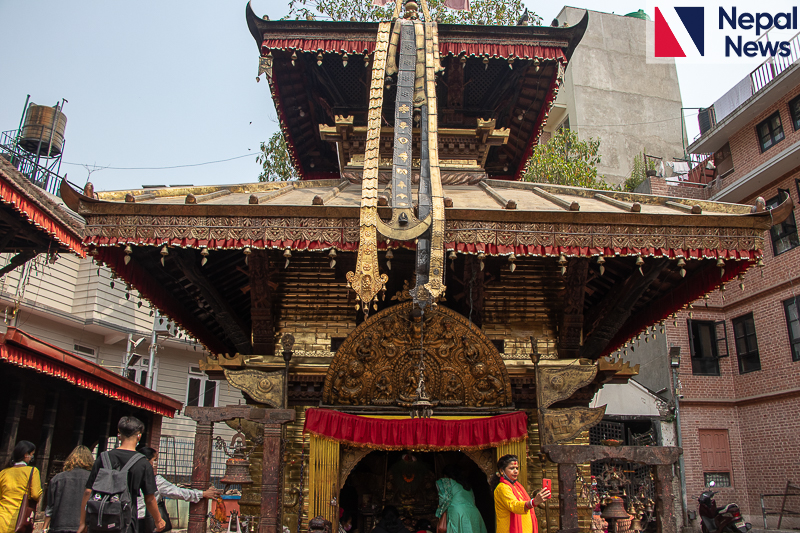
745, 146
760, 409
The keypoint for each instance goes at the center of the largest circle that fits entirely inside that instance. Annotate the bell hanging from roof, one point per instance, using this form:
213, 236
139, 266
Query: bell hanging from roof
237, 468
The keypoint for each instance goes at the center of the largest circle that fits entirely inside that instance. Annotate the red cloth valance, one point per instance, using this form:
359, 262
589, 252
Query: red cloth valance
40, 356
312, 45
524, 51
417, 433
9, 194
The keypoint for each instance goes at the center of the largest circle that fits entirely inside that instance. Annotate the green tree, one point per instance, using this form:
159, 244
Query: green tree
566, 160
490, 12
641, 164
275, 161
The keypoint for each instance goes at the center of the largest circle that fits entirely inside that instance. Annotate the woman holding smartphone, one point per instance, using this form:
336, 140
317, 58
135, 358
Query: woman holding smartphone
512, 505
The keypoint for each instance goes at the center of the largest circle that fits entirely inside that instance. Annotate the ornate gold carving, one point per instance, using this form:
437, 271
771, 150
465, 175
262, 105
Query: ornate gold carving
263, 387
561, 425
143, 230
556, 383
349, 458
485, 460
378, 363
367, 281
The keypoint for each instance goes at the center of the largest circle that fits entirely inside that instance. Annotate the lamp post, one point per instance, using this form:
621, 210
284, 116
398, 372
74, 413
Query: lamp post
675, 363
287, 341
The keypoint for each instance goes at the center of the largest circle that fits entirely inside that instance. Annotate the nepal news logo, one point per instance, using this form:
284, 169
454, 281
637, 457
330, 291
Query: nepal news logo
681, 31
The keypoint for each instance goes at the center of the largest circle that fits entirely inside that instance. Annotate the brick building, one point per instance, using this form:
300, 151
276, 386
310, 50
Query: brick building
739, 378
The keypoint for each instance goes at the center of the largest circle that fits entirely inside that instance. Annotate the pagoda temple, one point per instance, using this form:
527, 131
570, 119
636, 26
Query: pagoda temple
409, 303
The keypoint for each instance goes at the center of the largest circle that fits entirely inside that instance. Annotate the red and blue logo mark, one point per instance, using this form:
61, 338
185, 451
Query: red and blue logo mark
693, 20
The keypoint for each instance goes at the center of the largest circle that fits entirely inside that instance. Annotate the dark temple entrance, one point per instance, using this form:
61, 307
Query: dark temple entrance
407, 480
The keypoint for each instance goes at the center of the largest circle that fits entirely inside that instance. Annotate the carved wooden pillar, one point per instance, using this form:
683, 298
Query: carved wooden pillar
567, 474
48, 425
261, 304
154, 432
270, 480
80, 423
569, 334
201, 475
473, 289
665, 501
103, 444
11, 426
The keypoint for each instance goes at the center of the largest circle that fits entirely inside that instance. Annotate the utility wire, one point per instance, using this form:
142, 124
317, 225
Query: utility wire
165, 168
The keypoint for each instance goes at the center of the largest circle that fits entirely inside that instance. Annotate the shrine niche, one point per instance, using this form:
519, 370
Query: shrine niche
379, 363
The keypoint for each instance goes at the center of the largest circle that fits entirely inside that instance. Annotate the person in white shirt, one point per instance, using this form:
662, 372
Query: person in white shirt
167, 490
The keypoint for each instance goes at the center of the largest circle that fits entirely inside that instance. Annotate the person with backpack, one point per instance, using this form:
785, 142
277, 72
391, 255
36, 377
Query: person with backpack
109, 501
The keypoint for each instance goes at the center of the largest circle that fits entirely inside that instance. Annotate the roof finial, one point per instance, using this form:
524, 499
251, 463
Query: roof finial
412, 10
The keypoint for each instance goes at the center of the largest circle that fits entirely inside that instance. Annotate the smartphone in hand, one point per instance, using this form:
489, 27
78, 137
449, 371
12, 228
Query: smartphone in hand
547, 484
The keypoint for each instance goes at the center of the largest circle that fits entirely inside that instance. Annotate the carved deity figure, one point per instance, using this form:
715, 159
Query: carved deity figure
348, 383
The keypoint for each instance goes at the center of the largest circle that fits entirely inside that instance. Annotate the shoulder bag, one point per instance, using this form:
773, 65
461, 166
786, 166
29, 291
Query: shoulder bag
27, 508
441, 526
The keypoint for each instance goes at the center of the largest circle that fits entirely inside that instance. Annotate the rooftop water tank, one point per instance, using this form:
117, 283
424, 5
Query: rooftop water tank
638, 15
43, 131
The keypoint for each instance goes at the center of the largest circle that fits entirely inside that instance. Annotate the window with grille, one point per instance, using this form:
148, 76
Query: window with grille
715, 456
770, 132
708, 342
744, 331
794, 110
791, 306
784, 234
200, 391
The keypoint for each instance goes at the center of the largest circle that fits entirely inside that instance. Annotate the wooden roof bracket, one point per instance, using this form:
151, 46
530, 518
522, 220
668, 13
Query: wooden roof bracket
634, 207
569, 206
321, 199
265, 197
497, 197
693, 209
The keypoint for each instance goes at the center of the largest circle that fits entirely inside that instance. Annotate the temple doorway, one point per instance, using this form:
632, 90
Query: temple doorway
407, 480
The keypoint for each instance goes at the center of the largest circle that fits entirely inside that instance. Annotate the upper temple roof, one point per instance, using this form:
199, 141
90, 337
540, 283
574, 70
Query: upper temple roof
497, 81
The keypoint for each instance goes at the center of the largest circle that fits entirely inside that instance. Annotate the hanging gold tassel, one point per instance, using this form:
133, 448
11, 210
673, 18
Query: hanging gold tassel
323, 478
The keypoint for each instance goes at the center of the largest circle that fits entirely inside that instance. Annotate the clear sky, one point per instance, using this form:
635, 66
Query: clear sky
171, 82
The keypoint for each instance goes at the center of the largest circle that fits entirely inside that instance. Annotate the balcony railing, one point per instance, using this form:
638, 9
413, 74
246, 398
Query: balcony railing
44, 176
772, 67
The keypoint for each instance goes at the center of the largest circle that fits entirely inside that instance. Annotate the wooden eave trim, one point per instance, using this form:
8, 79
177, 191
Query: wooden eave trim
762, 221
25, 340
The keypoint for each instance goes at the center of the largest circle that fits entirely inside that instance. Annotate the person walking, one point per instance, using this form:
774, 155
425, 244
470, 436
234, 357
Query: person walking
63, 511
14, 484
165, 489
140, 475
512, 505
458, 502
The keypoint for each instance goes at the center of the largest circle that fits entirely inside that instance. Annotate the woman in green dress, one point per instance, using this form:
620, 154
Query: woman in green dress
457, 500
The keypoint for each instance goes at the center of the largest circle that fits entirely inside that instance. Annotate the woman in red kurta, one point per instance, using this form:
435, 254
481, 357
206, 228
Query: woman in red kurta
513, 507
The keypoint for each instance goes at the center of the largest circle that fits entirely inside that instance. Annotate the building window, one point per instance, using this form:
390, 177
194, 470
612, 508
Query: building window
200, 391
137, 372
784, 234
716, 456
744, 331
708, 342
793, 324
770, 132
723, 160
794, 110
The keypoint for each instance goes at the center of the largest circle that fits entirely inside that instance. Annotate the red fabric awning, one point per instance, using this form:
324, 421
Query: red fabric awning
24, 350
10, 194
417, 433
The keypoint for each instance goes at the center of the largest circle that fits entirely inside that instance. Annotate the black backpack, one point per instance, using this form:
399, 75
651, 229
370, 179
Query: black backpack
109, 508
